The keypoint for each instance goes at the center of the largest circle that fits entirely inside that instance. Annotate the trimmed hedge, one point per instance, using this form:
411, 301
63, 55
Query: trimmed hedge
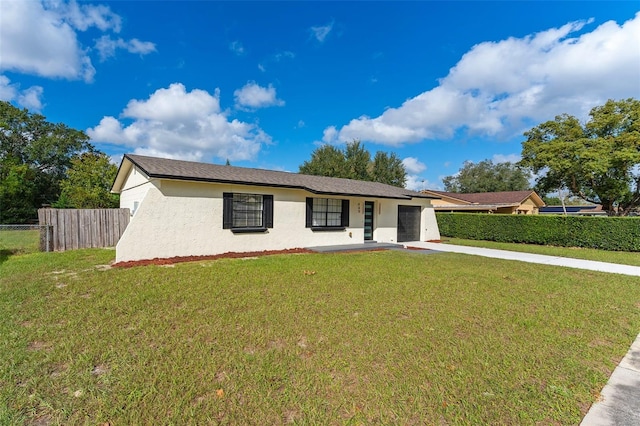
604, 233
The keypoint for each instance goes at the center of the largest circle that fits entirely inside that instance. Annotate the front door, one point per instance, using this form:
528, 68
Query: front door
368, 220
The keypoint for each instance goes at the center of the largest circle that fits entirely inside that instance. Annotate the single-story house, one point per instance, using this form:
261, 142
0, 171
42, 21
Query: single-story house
506, 202
183, 208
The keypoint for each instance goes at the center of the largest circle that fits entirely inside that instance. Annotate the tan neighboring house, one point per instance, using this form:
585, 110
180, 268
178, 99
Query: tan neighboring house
508, 202
182, 208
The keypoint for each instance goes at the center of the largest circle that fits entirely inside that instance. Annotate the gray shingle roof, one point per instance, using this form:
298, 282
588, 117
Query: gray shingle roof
163, 168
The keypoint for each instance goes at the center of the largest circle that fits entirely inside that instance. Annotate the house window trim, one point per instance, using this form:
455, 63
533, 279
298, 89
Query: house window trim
227, 214
344, 216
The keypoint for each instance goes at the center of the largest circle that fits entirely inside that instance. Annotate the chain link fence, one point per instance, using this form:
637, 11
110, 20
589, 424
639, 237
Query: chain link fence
21, 239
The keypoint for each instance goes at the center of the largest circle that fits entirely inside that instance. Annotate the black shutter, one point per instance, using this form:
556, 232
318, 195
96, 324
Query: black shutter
309, 216
267, 201
345, 213
227, 210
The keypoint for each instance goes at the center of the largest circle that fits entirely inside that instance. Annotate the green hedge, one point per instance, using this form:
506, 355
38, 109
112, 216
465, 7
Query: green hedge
604, 233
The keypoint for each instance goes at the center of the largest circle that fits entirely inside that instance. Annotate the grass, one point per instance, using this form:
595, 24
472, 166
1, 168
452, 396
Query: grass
378, 337
623, 258
19, 242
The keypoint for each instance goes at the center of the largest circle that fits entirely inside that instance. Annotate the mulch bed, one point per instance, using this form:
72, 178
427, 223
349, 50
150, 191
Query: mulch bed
233, 255
229, 255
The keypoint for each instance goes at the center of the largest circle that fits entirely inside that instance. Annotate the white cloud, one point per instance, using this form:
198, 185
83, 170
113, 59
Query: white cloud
413, 165
30, 98
418, 183
83, 17
253, 95
321, 32
498, 88
107, 46
509, 158
41, 37
286, 54
237, 48
174, 123
330, 134
275, 58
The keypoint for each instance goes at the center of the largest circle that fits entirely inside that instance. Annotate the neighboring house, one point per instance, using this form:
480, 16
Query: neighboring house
508, 202
584, 210
182, 208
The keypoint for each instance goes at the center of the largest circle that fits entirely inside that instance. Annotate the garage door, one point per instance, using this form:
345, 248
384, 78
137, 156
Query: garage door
408, 223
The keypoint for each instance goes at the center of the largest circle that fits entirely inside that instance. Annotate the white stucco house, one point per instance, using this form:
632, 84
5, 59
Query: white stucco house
183, 208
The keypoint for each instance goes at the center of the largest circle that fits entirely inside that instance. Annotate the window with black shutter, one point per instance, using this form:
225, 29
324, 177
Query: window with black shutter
247, 212
327, 214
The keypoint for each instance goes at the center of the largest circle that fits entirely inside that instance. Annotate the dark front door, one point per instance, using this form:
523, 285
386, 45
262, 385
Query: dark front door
368, 220
408, 223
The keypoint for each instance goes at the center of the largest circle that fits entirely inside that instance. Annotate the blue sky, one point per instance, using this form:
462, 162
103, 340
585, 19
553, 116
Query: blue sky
263, 84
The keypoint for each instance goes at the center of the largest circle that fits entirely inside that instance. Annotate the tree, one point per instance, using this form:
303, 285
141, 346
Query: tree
486, 176
388, 168
88, 183
354, 162
357, 160
327, 160
597, 162
34, 157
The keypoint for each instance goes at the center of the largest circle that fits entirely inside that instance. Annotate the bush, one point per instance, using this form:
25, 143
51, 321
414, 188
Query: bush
604, 233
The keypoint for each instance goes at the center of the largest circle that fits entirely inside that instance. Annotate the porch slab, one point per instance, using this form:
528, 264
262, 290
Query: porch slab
364, 247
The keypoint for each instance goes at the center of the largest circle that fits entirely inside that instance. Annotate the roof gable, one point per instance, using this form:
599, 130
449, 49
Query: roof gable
163, 168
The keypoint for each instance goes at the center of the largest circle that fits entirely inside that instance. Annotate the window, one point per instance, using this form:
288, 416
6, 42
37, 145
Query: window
327, 214
247, 212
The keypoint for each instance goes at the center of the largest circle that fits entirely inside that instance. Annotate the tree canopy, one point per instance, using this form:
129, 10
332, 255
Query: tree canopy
598, 161
34, 158
354, 162
88, 183
486, 176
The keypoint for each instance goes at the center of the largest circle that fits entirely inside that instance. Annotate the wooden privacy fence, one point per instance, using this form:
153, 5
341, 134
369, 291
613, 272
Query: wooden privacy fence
72, 229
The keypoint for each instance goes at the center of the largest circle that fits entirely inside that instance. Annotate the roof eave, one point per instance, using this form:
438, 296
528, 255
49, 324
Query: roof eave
123, 171
272, 185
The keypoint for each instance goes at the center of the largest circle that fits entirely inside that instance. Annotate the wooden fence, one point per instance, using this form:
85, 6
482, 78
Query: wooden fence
72, 229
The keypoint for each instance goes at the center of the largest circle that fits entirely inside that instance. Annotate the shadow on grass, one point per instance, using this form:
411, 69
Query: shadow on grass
5, 254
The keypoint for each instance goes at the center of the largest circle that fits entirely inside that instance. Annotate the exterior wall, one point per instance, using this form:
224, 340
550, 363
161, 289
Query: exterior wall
134, 190
386, 220
178, 218
528, 207
446, 201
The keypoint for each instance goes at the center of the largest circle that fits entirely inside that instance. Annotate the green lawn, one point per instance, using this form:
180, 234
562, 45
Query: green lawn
621, 257
19, 242
372, 337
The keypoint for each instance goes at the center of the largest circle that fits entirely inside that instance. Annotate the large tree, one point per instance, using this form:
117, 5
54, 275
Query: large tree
354, 162
597, 161
486, 176
388, 168
34, 158
88, 183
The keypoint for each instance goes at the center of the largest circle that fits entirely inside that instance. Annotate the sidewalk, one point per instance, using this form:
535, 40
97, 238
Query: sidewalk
619, 403
532, 258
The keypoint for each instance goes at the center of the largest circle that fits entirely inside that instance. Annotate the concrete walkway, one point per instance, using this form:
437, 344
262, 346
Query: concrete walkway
531, 258
619, 403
